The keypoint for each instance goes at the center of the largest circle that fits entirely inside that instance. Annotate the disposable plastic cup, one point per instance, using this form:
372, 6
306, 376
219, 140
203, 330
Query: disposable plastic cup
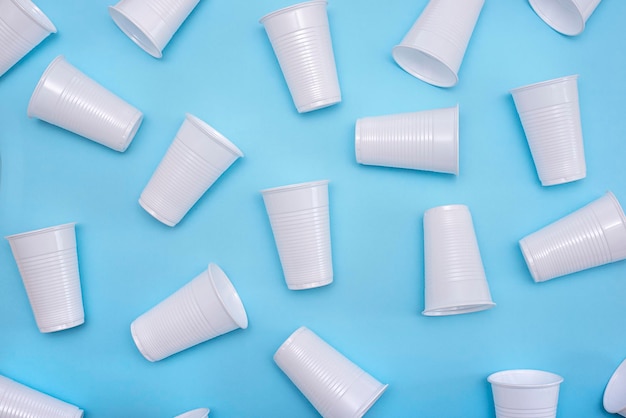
434, 47
427, 140
206, 307
197, 157
196, 413
565, 16
615, 393
589, 237
550, 116
300, 222
67, 98
48, 263
300, 36
335, 386
17, 400
525, 393
455, 281
151, 24
22, 27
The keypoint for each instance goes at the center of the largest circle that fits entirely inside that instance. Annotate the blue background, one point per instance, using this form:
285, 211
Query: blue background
220, 67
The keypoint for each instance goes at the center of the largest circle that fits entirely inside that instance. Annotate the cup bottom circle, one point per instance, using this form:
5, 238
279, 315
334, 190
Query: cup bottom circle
563, 180
425, 66
459, 309
138, 343
135, 32
61, 327
155, 215
312, 285
320, 104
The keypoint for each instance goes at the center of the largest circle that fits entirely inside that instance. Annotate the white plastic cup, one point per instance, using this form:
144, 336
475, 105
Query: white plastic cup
67, 98
197, 157
550, 116
22, 27
48, 263
525, 393
335, 386
592, 236
300, 36
300, 221
615, 393
434, 47
196, 413
206, 307
455, 281
151, 23
427, 140
20, 401
565, 16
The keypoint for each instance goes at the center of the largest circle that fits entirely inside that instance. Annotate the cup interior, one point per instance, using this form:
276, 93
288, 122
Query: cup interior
562, 15
424, 66
615, 393
135, 32
228, 296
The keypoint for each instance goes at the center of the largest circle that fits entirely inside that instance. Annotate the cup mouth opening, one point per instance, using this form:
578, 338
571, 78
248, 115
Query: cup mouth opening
195, 413
425, 65
35, 14
228, 296
525, 378
291, 8
544, 83
459, 309
41, 231
135, 31
213, 134
563, 16
42, 80
291, 187
612, 401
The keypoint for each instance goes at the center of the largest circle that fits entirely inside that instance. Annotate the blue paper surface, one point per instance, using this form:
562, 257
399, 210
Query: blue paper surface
220, 67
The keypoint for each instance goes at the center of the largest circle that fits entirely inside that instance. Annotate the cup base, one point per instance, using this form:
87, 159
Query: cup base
138, 343
155, 215
61, 327
305, 286
564, 180
530, 262
372, 401
459, 309
320, 104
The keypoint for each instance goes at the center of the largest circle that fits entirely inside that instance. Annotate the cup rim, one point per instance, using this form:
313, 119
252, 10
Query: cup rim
402, 63
40, 231
291, 8
620, 371
445, 208
41, 82
291, 187
550, 22
555, 379
237, 312
213, 133
544, 83
35, 14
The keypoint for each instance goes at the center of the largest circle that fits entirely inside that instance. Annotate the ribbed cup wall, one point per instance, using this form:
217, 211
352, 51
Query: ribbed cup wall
503, 412
303, 242
52, 283
409, 140
555, 138
571, 244
14, 47
308, 64
449, 21
19, 401
173, 325
179, 181
173, 12
322, 374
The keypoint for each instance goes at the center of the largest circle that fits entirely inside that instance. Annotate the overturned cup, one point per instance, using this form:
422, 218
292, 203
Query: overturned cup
206, 307
589, 237
426, 140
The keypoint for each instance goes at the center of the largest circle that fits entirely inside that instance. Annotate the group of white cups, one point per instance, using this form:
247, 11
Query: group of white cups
209, 306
